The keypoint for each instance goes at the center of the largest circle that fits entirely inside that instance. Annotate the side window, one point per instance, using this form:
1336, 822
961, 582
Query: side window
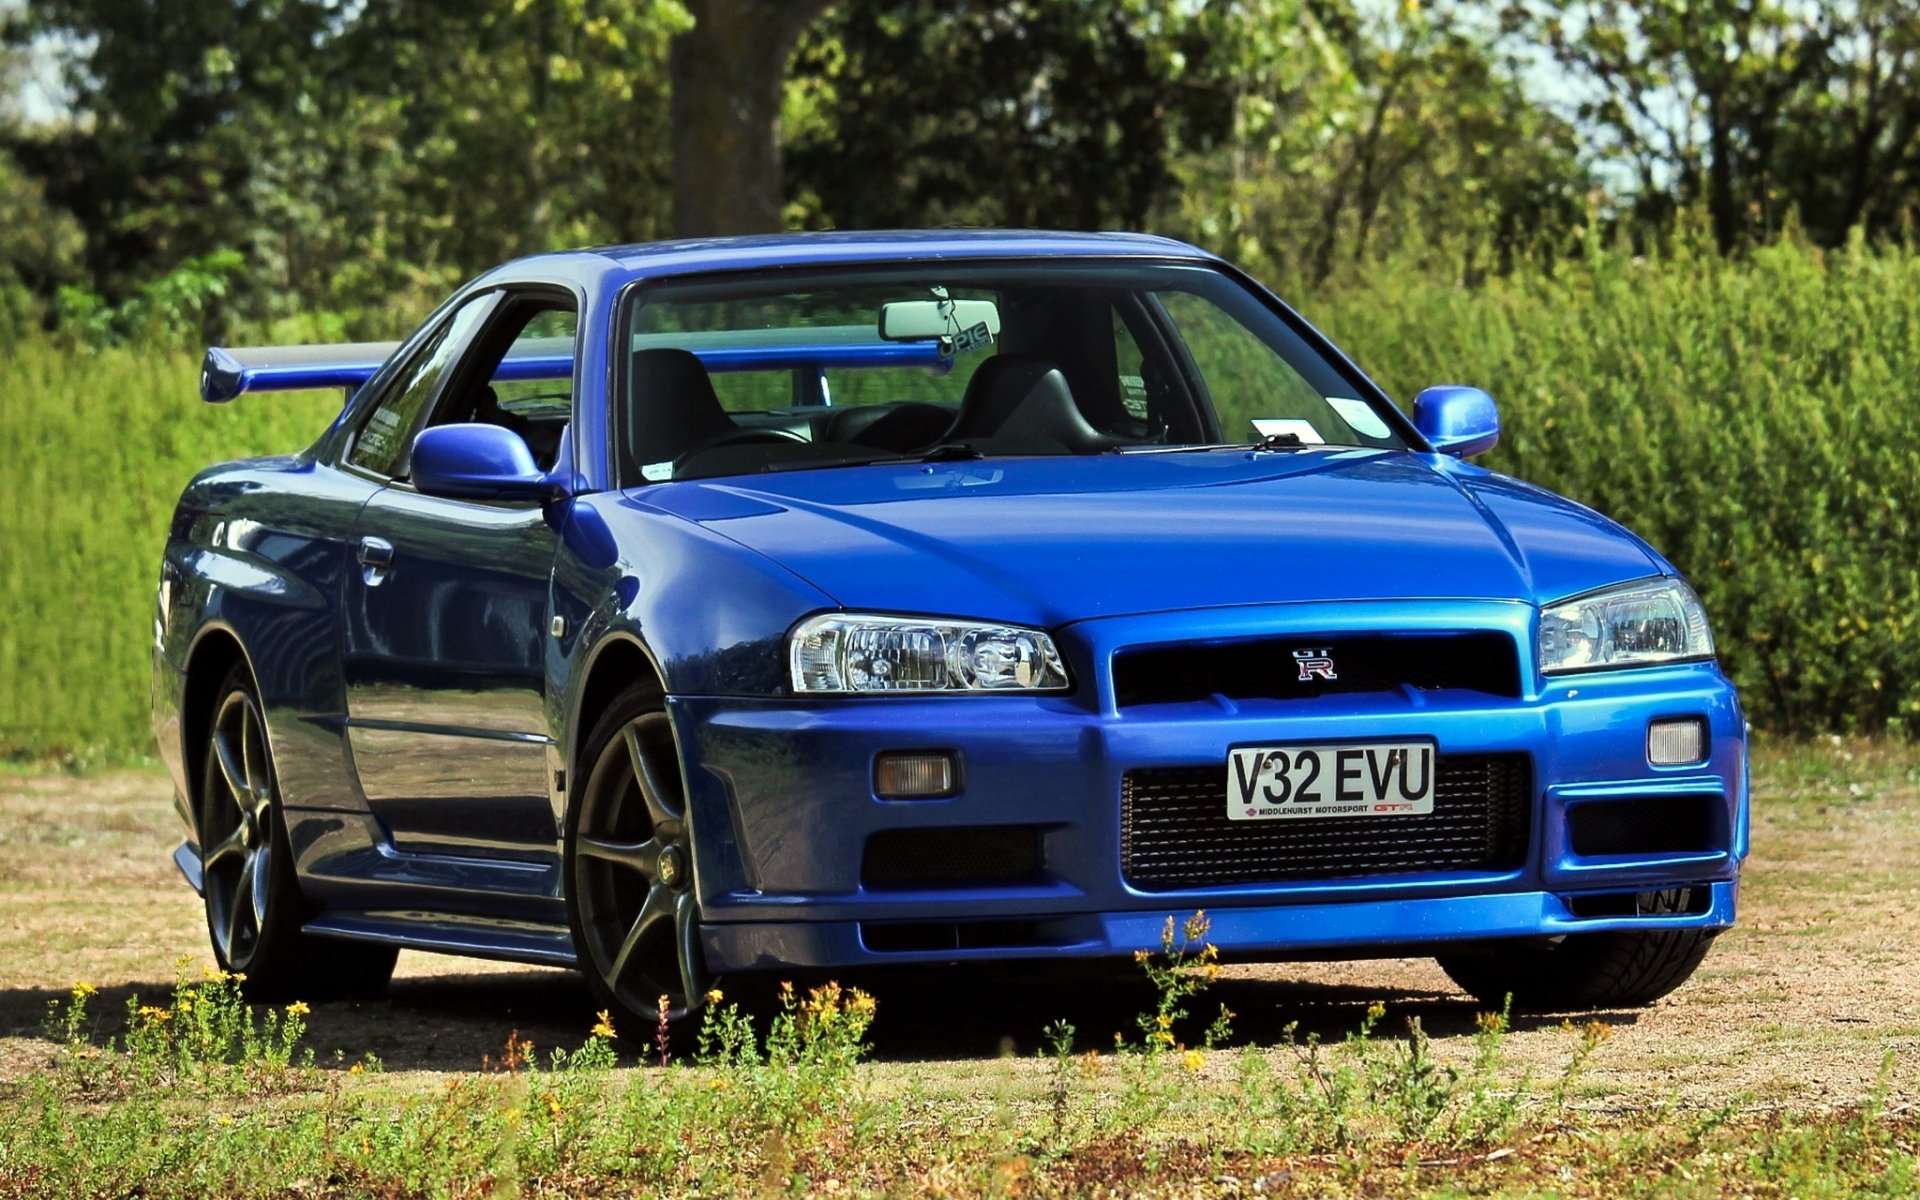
382, 443
544, 392
519, 375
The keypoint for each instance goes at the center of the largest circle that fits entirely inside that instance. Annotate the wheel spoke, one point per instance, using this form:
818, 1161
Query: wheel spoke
233, 843
262, 879
643, 857
654, 790
686, 930
658, 907
232, 772
241, 901
246, 754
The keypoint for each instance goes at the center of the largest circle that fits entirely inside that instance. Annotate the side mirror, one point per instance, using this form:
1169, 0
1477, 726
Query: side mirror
1461, 421
478, 462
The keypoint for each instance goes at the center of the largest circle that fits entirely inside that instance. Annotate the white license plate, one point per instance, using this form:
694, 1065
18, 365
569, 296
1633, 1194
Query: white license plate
1291, 783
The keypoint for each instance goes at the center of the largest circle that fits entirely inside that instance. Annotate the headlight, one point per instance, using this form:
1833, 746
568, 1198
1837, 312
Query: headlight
839, 652
1654, 621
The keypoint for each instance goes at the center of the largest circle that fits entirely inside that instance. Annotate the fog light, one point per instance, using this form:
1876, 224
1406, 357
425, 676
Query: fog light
1677, 743
917, 776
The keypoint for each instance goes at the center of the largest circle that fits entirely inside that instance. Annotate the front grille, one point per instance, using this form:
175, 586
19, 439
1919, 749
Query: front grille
1271, 668
1174, 830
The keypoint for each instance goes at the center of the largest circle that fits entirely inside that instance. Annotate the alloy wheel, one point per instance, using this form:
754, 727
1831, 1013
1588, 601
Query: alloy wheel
237, 836
632, 872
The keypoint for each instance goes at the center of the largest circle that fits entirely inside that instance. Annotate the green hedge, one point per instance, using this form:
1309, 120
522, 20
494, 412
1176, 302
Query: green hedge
1755, 420
97, 445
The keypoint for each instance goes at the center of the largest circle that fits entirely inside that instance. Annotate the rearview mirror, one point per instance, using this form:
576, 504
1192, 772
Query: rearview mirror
926, 320
1461, 421
478, 462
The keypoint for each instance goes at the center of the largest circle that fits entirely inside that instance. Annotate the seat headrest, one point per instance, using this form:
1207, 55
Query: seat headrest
674, 407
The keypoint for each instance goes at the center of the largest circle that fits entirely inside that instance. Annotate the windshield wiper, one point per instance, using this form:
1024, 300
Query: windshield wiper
944, 452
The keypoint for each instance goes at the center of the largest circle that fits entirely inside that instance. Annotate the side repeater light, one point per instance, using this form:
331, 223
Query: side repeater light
1677, 743
914, 776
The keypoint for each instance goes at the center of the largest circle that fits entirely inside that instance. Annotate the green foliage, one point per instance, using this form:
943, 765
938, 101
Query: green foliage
99, 445
1752, 420
206, 1039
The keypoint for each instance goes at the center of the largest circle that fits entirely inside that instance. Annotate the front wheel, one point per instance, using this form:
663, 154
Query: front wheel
254, 906
1587, 970
629, 868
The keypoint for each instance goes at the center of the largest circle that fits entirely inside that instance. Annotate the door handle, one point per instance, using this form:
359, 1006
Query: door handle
376, 553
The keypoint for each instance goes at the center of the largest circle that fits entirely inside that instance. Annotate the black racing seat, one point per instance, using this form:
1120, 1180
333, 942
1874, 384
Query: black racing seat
1025, 396
674, 407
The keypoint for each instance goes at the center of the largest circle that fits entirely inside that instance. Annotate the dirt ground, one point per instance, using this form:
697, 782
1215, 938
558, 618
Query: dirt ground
1797, 1008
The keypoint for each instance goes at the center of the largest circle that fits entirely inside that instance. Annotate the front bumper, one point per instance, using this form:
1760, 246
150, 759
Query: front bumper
784, 809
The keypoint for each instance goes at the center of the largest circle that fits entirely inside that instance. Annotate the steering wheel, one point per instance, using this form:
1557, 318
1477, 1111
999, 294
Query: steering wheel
737, 437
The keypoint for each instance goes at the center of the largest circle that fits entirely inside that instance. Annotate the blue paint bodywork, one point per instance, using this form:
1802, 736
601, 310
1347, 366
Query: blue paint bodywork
424, 699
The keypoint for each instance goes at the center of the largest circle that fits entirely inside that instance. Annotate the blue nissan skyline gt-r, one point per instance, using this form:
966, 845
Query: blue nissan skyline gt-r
845, 600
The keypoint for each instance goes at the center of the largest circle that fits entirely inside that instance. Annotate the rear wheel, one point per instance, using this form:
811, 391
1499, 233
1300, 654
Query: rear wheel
629, 868
254, 906
1588, 970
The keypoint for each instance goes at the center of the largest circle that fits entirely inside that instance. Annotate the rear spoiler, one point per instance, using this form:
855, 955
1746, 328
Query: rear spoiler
229, 373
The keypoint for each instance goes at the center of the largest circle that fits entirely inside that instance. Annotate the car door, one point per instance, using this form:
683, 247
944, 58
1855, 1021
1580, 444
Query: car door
444, 631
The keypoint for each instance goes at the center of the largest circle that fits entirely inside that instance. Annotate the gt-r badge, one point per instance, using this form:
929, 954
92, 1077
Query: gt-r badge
1315, 663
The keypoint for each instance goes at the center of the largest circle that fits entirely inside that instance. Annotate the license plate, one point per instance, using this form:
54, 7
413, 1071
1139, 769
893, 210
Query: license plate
1291, 783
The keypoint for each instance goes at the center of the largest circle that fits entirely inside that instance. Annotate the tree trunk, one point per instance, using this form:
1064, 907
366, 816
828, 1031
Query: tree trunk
728, 74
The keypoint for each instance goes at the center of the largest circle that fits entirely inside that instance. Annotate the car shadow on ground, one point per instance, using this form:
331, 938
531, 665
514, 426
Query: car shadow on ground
462, 1022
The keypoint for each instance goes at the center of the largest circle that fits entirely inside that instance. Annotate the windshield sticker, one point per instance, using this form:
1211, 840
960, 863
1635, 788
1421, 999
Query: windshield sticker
979, 337
1268, 427
655, 472
1360, 415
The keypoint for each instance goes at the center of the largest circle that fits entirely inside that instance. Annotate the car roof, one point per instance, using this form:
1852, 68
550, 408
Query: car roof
702, 255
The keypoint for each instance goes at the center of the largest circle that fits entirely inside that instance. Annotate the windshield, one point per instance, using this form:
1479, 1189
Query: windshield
780, 371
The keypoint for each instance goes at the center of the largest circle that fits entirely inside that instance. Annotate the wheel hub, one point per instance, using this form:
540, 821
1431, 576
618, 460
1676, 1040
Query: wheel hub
673, 868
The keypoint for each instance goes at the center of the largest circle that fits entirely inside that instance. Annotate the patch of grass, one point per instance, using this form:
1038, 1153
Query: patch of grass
203, 1096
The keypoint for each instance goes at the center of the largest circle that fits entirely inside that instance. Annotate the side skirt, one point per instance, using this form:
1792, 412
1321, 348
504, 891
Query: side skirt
452, 933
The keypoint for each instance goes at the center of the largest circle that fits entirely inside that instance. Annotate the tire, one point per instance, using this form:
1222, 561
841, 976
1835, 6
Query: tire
253, 903
628, 863
1588, 970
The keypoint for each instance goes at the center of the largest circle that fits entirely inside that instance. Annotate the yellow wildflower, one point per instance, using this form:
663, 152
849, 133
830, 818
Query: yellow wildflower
716, 1084
238, 977
714, 996
861, 1004
225, 1120
1193, 1060
158, 1016
1164, 1020
554, 1108
213, 974
357, 1069
298, 1009
603, 1028
83, 989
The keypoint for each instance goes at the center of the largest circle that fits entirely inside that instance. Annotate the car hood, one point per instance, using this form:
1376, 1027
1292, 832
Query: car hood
1051, 541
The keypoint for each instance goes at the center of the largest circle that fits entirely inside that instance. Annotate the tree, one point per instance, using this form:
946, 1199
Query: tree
728, 76
1016, 112
1752, 108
